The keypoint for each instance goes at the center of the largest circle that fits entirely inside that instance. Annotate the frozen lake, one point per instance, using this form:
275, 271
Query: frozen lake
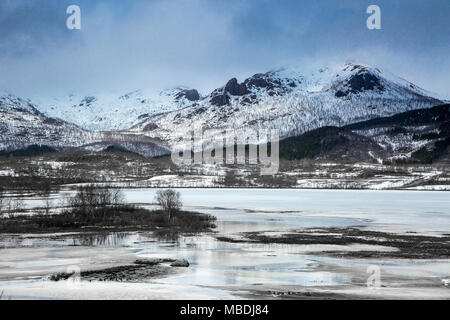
218, 266
390, 210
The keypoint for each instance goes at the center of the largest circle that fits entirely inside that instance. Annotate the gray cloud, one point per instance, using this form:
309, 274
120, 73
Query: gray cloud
202, 43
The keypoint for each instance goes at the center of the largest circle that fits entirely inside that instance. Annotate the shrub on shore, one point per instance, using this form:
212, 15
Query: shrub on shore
170, 201
96, 208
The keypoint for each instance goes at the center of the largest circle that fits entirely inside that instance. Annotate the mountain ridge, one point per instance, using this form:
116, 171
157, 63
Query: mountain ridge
285, 99
417, 136
293, 103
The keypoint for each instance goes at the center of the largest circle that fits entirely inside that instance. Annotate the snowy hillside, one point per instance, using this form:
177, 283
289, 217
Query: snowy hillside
146, 122
294, 102
117, 112
21, 124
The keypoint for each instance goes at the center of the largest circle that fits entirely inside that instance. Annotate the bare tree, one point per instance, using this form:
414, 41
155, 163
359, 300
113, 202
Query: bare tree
48, 205
46, 192
117, 197
91, 200
13, 207
169, 200
17, 207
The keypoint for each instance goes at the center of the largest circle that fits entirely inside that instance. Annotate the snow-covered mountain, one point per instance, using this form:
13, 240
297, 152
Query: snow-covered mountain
22, 125
117, 112
293, 102
416, 136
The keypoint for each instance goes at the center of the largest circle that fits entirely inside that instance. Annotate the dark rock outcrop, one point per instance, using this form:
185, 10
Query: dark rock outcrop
220, 100
191, 95
150, 127
360, 82
235, 89
364, 81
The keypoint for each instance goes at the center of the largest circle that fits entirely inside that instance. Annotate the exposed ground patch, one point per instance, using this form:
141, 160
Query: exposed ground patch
140, 270
409, 246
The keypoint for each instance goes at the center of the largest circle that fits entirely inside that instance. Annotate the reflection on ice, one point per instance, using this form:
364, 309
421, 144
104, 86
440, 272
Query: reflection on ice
221, 264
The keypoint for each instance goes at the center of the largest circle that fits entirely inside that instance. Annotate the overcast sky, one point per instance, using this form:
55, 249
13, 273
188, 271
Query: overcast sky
123, 45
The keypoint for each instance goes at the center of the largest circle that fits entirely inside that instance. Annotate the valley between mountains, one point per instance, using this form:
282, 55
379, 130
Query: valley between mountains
349, 126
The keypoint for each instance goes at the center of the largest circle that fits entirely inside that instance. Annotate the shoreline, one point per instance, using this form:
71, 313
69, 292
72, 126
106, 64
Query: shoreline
327, 261
125, 187
118, 266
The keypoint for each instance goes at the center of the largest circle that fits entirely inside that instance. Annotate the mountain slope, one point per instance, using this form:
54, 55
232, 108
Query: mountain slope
23, 125
117, 112
287, 100
414, 136
432, 116
419, 135
293, 103
330, 143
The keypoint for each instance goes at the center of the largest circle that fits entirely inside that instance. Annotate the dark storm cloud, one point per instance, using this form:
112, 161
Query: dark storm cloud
202, 43
27, 26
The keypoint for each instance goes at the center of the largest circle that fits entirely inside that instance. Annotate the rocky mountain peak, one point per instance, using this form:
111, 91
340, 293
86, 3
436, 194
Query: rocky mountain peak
236, 89
189, 94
